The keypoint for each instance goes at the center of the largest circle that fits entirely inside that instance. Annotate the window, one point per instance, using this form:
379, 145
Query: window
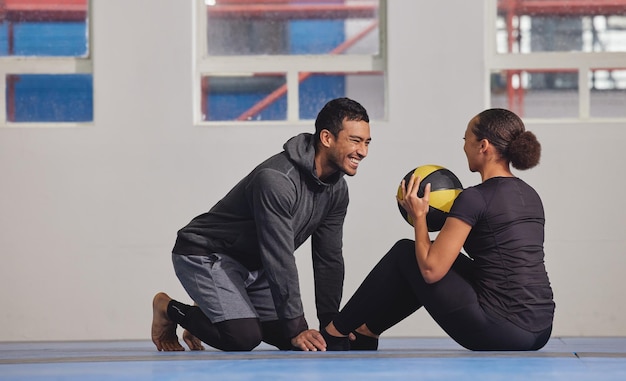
282, 60
45, 66
558, 59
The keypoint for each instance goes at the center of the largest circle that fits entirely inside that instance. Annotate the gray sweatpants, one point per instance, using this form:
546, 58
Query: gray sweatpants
223, 288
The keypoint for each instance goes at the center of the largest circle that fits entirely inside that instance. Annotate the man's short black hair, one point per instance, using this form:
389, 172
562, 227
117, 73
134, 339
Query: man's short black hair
332, 115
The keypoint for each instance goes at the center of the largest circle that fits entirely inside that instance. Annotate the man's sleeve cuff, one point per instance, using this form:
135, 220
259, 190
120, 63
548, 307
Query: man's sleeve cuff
293, 327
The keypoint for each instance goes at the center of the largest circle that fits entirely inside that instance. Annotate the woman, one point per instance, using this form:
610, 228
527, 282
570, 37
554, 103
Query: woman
498, 297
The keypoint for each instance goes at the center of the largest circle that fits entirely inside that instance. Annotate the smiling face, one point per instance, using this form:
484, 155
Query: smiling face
471, 146
345, 151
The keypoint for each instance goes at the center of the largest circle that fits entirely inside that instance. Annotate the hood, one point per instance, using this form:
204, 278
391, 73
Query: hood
301, 150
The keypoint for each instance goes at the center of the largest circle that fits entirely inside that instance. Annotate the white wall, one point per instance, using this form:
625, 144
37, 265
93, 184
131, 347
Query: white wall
88, 215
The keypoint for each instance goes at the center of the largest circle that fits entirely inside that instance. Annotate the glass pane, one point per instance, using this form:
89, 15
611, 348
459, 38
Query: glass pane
44, 28
49, 98
292, 27
318, 88
560, 26
263, 96
236, 97
536, 93
608, 94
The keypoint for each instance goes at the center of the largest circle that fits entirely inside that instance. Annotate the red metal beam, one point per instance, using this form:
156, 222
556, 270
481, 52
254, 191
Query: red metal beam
221, 2
11, 81
563, 7
44, 10
268, 1
75, 10
291, 11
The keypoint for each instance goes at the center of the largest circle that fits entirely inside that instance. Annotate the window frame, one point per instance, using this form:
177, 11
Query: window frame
581, 62
47, 65
290, 65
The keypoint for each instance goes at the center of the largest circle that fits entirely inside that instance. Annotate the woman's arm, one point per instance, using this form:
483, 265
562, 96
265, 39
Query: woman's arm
434, 259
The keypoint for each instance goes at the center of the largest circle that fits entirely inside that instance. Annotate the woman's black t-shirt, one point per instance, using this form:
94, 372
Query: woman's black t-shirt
506, 244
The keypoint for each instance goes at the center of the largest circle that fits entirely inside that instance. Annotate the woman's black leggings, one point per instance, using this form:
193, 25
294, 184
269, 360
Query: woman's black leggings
395, 288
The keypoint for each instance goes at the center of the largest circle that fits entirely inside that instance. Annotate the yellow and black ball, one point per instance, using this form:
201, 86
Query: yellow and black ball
444, 188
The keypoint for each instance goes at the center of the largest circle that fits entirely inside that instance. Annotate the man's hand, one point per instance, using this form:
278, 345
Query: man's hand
309, 340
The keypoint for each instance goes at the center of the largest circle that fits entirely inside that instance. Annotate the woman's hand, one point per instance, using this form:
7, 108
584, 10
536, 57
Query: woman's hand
415, 206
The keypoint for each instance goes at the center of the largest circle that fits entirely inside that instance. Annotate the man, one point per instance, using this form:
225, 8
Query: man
237, 261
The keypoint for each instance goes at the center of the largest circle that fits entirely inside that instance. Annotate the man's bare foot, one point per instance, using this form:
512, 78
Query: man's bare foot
163, 329
193, 342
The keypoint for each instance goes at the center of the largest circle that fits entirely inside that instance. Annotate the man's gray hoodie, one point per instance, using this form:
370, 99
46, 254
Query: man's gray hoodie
267, 216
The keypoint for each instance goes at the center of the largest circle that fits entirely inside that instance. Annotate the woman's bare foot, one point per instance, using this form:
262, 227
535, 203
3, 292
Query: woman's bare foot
193, 342
163, 329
